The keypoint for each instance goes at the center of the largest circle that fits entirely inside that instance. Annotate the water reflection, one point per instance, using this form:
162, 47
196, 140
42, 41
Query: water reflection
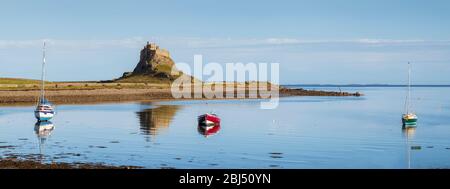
43, 130
153, 120
408, 133
208, 130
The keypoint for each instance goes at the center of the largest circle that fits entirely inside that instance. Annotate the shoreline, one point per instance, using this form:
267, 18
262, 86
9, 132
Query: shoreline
14, 163
110, 95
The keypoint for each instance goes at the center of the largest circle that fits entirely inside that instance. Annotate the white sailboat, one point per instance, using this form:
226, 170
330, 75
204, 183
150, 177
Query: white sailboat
409, 118
44, 109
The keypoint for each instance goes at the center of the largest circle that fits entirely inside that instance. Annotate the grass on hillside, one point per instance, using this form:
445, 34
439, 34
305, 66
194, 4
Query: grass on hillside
162, 68
143, 79
19, 81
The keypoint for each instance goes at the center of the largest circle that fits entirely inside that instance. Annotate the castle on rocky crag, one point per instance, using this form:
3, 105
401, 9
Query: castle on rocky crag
153, 61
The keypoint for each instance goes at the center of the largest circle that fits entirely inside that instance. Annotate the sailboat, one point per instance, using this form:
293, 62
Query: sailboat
409, 118
44, 109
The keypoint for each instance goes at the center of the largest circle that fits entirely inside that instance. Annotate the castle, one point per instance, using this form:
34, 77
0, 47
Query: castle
153, 60
157, 50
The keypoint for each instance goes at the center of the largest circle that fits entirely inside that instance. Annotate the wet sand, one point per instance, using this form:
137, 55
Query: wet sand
89, 95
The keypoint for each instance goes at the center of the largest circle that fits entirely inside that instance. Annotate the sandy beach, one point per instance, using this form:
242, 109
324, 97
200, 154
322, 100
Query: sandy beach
124, 93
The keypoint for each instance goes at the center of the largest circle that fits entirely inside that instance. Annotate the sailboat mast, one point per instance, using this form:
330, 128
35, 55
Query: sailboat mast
43, 74
409, 88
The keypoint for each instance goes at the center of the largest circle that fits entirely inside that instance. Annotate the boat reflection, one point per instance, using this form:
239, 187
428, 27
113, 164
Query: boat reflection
208, 130
43, 130
408, 133
153, 120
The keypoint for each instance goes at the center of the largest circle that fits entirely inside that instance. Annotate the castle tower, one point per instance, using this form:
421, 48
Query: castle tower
151, 58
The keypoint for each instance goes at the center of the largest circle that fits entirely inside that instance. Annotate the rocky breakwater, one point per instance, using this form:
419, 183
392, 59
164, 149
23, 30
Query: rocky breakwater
304, 92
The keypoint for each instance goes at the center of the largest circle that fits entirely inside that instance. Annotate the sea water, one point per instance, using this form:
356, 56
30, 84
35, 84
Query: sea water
303, 132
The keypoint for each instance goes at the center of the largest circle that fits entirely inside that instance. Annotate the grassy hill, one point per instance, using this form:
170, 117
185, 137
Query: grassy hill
143, 79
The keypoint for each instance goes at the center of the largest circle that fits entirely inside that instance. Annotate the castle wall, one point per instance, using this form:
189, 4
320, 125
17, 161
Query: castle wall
157, 50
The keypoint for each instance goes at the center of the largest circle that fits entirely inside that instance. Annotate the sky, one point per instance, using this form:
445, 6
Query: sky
314, 42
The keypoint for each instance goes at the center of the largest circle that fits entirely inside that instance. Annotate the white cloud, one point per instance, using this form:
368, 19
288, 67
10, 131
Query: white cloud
279, 41
74, 44
186, 42
287, 41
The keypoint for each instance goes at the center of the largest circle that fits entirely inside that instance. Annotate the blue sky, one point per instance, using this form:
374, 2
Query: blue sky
314, 41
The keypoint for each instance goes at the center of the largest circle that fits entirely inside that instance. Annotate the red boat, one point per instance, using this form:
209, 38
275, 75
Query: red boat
208, 119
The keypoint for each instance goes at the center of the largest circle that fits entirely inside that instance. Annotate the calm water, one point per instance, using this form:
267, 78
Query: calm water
303, 132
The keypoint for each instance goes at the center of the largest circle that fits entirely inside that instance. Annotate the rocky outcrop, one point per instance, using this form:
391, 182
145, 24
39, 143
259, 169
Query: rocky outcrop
154, 66
154, 61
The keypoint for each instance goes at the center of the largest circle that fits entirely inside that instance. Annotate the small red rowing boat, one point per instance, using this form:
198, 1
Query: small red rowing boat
208, 119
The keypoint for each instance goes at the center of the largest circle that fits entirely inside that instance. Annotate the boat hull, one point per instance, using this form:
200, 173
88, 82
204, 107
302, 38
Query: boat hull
411, 122
44, 115
208, 119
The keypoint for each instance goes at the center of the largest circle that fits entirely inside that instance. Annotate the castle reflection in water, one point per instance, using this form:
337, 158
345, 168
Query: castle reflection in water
154, 120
